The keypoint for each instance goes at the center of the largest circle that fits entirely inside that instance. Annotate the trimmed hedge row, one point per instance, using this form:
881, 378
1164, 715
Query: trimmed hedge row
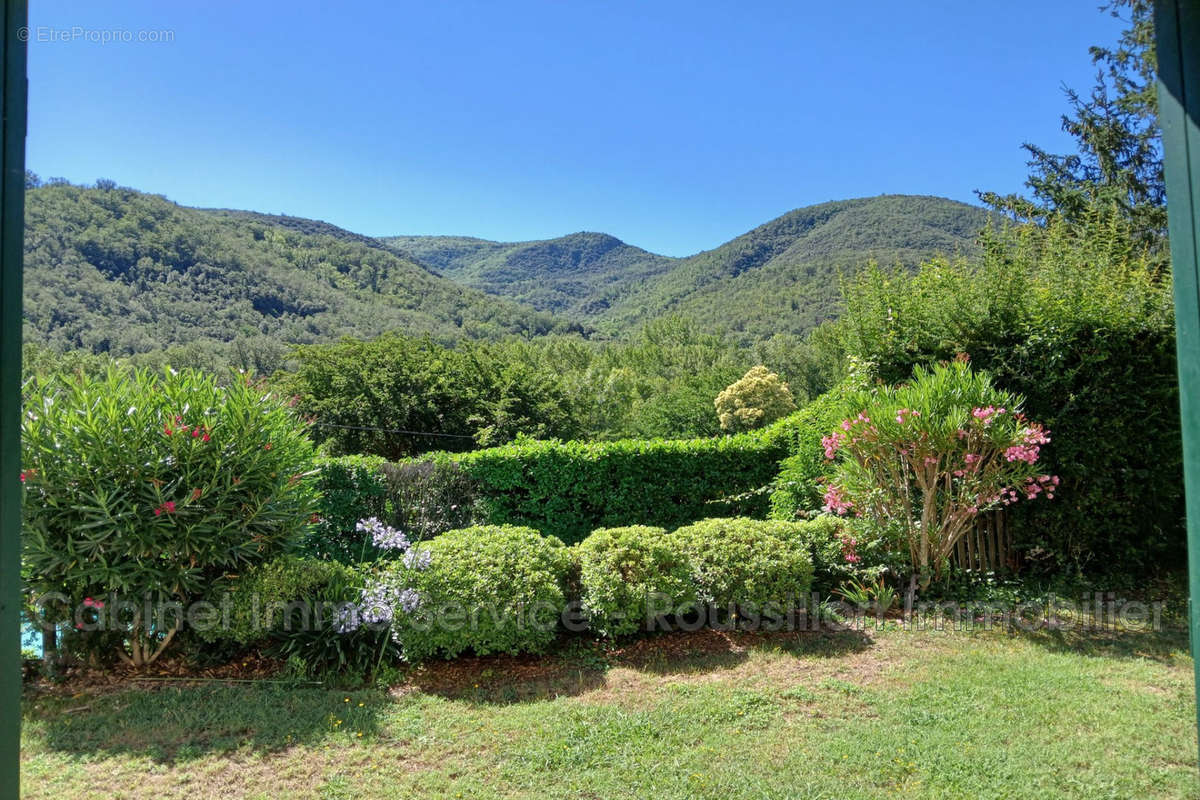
568, 489
622, 570
507, 589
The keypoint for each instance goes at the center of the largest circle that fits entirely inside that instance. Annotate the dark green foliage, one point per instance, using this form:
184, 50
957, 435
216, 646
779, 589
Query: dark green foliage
628, 573
120, 272
488, 589
757, 566
350, 488
396, 396
428, 498
421, 498
569, 489
1079, 322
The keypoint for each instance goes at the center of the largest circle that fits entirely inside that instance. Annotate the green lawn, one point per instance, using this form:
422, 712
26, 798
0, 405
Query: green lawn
808, 715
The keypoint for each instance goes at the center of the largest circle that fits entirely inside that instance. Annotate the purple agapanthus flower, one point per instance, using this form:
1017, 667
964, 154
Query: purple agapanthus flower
385, 537
417, 559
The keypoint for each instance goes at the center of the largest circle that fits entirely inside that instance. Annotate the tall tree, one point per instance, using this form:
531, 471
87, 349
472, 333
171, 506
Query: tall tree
1119, 158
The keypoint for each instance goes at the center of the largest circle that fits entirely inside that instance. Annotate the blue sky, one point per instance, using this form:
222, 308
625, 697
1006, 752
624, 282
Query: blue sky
673, 125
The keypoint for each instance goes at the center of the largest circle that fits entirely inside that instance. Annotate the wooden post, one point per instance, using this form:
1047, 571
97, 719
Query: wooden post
1177, 30
12, 231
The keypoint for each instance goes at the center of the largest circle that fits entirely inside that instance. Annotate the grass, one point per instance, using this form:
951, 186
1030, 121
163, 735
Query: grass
709, 715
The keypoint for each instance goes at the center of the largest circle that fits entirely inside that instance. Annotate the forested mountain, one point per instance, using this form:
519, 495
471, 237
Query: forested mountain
579, 275
782, 277
779, 277
114, 270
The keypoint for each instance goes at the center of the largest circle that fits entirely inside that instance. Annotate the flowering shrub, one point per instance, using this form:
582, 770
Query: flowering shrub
327, 618
348, 489
928, 457
148, 487
758, 398
622, 569
387, 594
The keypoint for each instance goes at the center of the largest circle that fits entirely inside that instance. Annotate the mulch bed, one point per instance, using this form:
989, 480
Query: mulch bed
570, 662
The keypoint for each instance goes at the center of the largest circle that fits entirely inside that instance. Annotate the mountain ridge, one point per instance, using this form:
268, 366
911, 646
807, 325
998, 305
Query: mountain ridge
790, 264
111, 269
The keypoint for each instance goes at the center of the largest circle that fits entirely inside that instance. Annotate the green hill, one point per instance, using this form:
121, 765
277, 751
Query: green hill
579, 275
780, 277
118, 271
783, 275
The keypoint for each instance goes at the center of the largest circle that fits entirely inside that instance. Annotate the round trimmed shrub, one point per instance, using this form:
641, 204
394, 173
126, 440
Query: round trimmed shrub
488, 589
622, 570
747, 564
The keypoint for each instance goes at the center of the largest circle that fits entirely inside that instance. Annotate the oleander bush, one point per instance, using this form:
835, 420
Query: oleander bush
156, 487
627, 574
1079, 321
745, 565
928, 457
487, 589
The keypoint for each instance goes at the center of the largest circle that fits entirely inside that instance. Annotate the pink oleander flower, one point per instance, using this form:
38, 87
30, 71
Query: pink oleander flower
831, 443
836, 501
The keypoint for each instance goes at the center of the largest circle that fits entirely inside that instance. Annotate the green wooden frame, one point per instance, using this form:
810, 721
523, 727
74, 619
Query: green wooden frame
1177, 28
12, 231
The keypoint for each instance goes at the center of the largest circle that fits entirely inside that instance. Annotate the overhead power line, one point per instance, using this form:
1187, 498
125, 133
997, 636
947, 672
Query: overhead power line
391, 430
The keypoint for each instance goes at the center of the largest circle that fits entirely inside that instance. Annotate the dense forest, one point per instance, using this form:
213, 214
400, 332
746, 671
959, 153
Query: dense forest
117, 271
111, 270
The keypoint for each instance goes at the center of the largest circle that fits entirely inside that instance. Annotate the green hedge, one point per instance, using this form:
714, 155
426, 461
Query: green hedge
351, 488
488, 589
621, 569
746, 564
568, 489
